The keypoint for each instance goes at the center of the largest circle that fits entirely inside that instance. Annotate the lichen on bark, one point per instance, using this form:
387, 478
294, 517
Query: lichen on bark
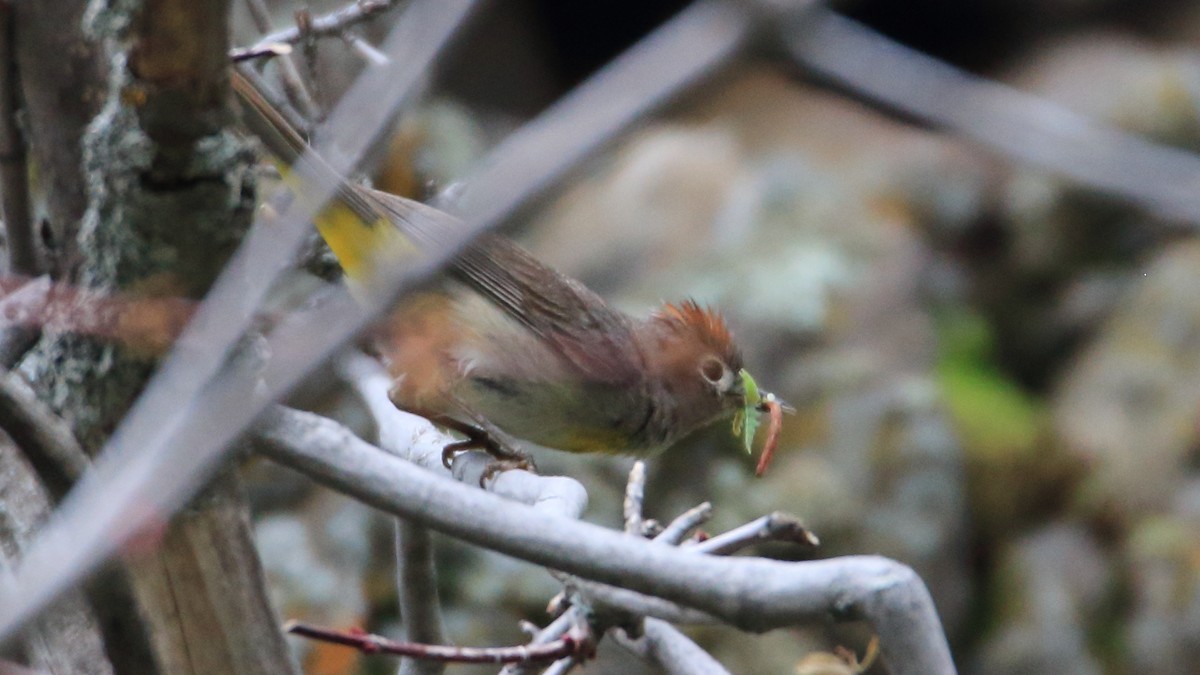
169, 195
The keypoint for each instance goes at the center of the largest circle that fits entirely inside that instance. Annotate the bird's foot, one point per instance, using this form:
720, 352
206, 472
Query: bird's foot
482, 435
497, 466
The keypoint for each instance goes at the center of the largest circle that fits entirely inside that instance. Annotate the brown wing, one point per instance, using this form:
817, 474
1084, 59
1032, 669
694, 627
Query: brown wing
589, 335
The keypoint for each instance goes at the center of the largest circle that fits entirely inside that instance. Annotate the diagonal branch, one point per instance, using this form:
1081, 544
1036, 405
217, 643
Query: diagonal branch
44, 437
14, 169
673, 652
1019, 125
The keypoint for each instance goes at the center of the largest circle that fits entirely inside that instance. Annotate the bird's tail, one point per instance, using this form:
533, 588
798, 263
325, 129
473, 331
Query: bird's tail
364, 228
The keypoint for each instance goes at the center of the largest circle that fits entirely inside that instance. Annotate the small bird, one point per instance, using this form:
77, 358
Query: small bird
506, 348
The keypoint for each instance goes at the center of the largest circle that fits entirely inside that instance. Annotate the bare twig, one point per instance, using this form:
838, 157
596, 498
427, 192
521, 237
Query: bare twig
1019, 125
289, 73
562, 666
308, 46
332, 24
685, 523
672, 651
44, 437
774, 527
16, 334
67, 639
552, 632
633, 603
61, 77
573, 642
14, 169
364, 49
420, 607
147, 325
635, 496
260, 51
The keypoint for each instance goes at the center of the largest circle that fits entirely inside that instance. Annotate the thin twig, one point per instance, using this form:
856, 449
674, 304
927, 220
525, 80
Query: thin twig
672, 651
573, 642
289, 73
331, 24
552, 632
1016, 124
148, 324
420, 607
308, 44
44, 437
685, 523
261, 50
635, 496
14, 167
365, 49
610, 599
774, 527
562, 666
18, 335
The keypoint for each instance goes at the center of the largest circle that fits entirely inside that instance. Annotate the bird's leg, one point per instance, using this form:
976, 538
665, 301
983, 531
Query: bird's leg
497, 443
480, 434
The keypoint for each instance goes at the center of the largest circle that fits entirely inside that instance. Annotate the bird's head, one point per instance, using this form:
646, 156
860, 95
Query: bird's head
692, 355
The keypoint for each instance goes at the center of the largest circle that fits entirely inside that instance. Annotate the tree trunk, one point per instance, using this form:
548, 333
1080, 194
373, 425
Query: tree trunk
169, 196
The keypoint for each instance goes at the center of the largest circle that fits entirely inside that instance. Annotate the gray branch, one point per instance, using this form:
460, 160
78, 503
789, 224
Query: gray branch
65, 639
749, 593
663, 644
14, 168
420, 607
635, 498
293, 82
684, 523
44, 437
334, 23
1015, 124
774, 527
62, 82
20, 312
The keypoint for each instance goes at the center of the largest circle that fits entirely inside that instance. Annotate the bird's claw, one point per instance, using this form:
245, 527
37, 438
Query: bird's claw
500, 465
452, 449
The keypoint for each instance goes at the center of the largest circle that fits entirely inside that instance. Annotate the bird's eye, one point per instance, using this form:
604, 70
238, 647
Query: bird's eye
713, 370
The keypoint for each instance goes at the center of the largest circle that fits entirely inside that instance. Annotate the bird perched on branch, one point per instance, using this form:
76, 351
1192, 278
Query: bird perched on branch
505, 347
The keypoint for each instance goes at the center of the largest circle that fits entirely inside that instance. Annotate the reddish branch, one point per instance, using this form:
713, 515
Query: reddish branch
576, 642
145, 323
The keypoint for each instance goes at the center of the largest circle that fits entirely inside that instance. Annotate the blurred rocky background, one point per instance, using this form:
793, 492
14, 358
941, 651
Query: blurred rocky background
996, 372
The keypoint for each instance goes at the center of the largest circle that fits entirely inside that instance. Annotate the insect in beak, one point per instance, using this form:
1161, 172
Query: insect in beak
745, 420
